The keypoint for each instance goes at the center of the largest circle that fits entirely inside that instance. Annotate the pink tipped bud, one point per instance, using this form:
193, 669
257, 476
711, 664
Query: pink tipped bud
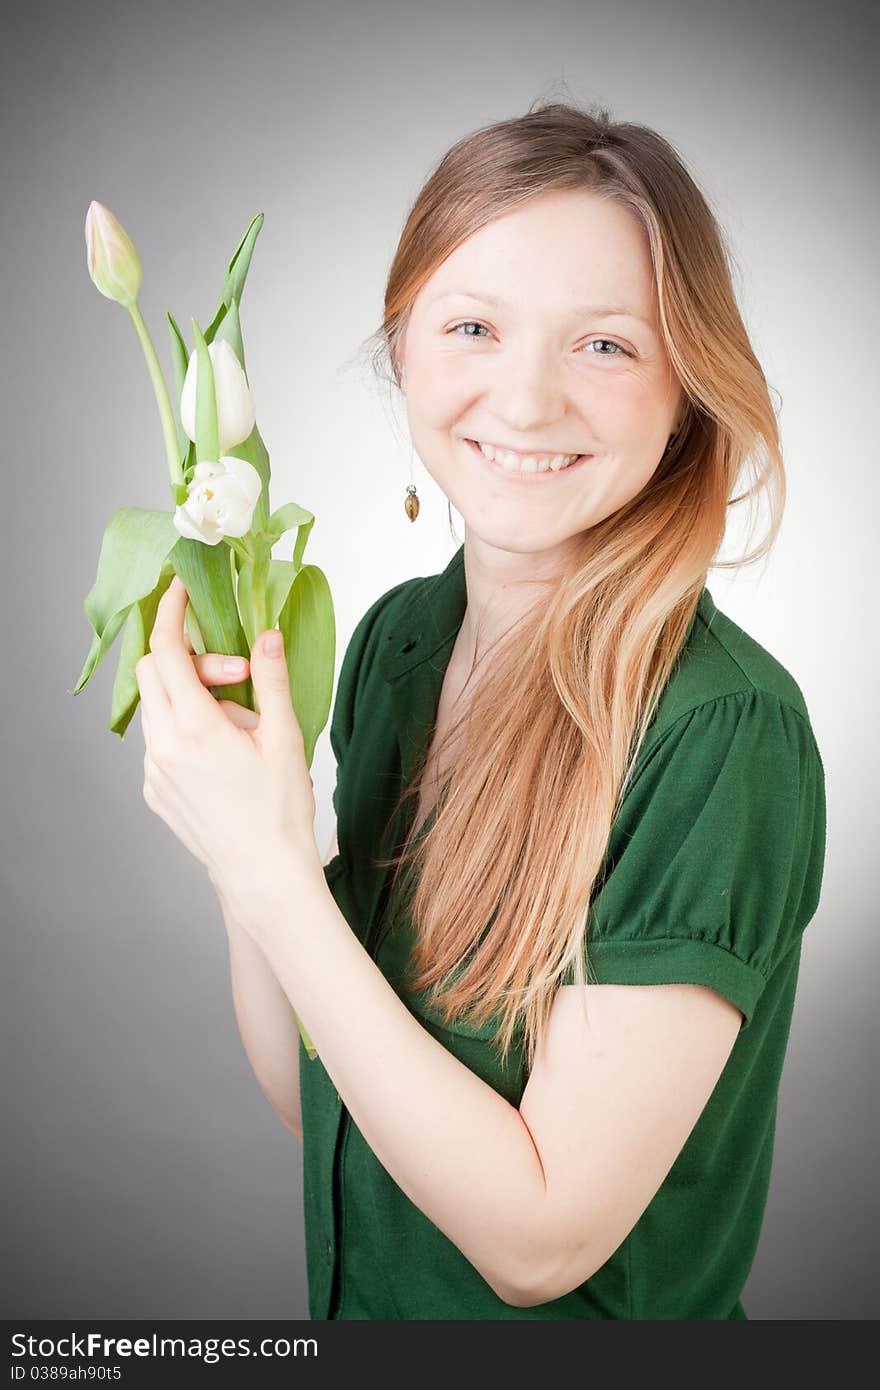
113, 261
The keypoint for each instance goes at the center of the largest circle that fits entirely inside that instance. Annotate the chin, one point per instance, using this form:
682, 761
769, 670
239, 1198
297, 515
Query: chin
511, 535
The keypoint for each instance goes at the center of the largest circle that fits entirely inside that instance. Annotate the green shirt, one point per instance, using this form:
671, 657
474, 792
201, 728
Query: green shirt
713, 869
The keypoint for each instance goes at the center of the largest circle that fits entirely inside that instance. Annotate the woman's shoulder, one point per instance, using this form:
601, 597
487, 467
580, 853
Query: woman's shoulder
720, 660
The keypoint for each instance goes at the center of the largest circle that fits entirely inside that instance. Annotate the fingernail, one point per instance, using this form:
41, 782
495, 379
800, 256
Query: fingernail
272, 643
233, 663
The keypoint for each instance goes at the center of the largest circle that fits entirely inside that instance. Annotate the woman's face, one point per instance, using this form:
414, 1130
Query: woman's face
540, 334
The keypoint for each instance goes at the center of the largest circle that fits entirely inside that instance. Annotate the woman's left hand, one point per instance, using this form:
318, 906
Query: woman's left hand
237, 798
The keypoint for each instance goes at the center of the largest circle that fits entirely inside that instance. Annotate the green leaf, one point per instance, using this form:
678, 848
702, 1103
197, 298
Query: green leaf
206, 572
280, 578
277, 577
179, 363
191, 623
285, 519
302, 537
135, 644
226, 324
236, 274
136, 545
245, 602
206, 401
189, 464
308, 623
229, 330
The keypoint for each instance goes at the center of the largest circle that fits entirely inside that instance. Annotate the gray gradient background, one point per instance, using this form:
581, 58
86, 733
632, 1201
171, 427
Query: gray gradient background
145, 1174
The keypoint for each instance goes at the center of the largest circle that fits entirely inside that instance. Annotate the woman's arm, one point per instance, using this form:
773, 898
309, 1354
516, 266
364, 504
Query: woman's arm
536, 1198
455, 1146
268, 1029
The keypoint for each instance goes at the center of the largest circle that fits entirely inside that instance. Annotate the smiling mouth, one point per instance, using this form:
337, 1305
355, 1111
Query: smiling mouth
531, 475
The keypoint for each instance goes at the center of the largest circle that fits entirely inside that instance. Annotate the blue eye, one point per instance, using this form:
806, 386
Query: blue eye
471, 323
611, 343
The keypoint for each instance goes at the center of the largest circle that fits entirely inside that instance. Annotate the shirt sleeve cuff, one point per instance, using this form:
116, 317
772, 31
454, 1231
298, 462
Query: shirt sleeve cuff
677, 960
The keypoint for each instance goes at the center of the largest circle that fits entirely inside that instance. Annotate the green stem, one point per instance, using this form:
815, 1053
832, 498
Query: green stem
258, 606
169, 428
242, 550
259, 610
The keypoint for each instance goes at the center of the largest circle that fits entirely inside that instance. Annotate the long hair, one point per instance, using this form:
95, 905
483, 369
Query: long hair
504, 875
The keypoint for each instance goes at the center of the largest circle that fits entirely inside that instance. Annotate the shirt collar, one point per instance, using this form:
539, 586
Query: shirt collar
416, 654
435, 611
431, 618
413, 659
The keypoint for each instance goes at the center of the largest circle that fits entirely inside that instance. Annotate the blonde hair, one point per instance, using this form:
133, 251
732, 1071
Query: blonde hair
553, 729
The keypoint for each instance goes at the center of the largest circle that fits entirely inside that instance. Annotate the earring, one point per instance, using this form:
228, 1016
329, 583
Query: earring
411, 502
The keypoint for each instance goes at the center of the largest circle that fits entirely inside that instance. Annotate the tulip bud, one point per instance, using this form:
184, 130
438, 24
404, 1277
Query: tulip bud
113, 261
220, 502
235, 402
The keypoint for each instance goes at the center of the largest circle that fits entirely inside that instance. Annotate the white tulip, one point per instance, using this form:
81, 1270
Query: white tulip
112, 257
220, 500
235, 401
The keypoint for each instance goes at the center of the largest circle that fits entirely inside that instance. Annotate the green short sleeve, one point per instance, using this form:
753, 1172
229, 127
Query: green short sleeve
715, 861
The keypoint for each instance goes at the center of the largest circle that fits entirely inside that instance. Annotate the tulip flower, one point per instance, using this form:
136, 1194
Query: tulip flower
235, 402
115, 268
220, 500
113, 262
236, 590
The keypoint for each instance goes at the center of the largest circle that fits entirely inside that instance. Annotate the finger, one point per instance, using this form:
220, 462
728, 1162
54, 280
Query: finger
149, 760
155, 705
211, 669
279, 728
239, 715
192, 705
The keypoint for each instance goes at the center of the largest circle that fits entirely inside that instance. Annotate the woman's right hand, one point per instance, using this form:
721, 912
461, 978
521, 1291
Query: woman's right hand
209, 669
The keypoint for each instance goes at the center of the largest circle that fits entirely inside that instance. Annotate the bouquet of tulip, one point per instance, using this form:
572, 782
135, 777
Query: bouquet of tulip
219, 537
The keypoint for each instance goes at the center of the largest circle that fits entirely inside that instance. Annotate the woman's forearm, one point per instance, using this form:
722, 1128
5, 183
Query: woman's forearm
268, 1029
456, 1147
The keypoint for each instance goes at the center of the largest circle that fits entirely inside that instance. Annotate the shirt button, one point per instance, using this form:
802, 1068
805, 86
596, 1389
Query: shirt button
328, 1252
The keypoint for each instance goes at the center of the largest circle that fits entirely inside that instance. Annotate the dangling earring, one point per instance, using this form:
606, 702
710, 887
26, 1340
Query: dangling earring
412, 498
411, 502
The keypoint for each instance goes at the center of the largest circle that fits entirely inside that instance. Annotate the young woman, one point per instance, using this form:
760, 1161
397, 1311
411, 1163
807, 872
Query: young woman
550, 966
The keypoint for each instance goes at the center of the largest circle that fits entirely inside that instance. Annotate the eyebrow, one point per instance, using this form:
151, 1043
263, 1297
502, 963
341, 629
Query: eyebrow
605, 310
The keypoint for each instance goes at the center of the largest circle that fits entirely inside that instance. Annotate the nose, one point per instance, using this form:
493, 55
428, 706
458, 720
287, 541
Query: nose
528, 394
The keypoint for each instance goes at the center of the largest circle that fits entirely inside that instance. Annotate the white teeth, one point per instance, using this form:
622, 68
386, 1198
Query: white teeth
529, 463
